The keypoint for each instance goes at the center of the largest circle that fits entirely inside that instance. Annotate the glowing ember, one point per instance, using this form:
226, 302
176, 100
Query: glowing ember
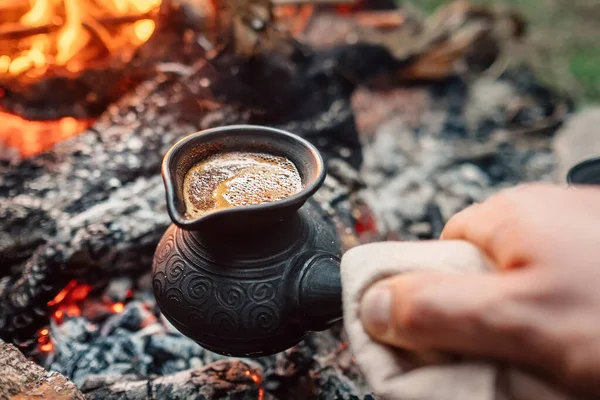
58, 316
365, 222
256, 378
46, 344
117, 307
62, 294
47, 348
80, 292
66, 301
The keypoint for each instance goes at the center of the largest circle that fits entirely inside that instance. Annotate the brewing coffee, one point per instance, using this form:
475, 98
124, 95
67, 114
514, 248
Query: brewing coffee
238, 179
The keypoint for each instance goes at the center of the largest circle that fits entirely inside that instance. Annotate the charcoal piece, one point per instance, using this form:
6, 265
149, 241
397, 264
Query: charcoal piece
123, 352
73, 330
334, 386
227, 379
168, 347
173, 366
53, 97
543, 102
21, 378
118, 289
94, 204
133, 318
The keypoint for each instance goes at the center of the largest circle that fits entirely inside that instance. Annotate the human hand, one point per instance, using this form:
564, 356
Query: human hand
542, 310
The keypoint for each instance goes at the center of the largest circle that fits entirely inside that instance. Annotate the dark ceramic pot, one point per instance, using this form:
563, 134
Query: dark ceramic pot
248, 281
585, 173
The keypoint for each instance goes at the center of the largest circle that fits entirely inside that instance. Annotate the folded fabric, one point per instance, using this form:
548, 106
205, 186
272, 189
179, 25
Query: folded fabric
402, 375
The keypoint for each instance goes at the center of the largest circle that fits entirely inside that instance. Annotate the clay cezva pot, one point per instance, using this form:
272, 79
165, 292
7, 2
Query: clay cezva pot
253, 280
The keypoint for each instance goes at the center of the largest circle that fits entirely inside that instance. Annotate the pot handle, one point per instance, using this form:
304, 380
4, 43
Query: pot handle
318, 294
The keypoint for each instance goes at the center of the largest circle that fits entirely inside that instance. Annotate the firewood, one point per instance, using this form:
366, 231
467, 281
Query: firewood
17, 31
221, 379
21, 379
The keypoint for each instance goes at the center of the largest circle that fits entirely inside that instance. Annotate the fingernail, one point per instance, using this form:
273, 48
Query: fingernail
376, 307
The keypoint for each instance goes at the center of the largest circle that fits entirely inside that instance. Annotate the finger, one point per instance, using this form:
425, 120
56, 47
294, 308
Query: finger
495, 227
476, 314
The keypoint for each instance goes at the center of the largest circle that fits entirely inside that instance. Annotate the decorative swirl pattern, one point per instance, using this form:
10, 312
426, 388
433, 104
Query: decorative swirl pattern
233, 301
174, 299
175, 268
262, 292
165, 249
231, 296
157, 284
197, 288
224, 323
263, 319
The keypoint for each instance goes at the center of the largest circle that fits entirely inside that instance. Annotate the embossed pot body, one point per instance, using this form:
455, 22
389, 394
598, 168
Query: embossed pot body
248, 281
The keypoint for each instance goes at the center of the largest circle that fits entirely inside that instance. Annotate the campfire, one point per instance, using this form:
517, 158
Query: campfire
46, 39
42, 37
415, 119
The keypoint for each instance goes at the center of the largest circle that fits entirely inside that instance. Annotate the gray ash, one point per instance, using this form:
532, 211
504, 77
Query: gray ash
433, 150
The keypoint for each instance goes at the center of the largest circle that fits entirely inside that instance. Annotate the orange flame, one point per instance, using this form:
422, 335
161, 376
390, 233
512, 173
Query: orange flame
60, 33
33, 137
68, 36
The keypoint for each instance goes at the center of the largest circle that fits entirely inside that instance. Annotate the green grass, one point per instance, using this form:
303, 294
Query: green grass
585, 66
563, 43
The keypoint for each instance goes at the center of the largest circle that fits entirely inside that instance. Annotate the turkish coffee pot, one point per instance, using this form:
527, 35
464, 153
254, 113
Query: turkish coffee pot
250, 280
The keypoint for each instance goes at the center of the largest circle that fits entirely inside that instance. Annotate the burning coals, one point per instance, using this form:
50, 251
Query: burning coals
105, 347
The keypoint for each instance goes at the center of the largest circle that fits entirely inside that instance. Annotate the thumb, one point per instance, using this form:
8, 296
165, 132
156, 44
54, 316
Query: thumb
475, 314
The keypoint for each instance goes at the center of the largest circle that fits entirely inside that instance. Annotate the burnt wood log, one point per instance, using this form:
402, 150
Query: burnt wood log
231, 379
94, 204
24, 379
62, 93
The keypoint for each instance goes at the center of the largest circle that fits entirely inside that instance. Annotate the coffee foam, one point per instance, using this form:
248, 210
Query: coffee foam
238, 179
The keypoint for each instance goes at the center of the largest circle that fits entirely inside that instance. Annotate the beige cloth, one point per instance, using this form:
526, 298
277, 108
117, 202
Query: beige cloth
394, 374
